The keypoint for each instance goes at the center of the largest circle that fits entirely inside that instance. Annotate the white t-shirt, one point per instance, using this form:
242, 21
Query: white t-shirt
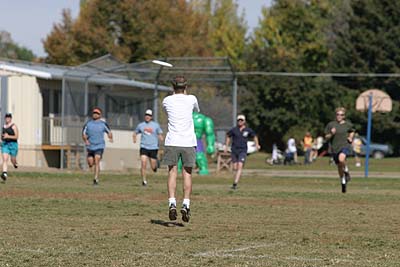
292, 145
179, 109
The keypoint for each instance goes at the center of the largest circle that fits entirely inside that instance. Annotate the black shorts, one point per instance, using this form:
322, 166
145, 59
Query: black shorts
92, 153
345, 151
151, 153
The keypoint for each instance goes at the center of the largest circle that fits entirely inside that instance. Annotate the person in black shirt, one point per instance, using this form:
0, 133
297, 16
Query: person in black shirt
238, 136
9, 145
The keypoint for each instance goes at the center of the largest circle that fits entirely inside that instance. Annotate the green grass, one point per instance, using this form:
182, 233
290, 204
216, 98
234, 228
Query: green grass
62, 220
257, 161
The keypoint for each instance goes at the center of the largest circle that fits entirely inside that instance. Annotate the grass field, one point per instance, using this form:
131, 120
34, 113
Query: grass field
390, 164
59, 219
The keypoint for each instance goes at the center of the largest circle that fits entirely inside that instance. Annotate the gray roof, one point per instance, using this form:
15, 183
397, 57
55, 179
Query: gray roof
78, 73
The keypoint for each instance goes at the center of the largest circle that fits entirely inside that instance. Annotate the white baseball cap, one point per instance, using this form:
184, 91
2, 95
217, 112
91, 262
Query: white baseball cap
149, 112
241, 117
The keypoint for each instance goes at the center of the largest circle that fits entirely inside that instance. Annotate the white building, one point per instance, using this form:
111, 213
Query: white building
50, 104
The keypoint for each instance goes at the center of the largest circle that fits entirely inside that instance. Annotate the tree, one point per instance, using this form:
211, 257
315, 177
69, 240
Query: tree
227, 32
131, 30
292, 37
60, 43
369, 43
9, 49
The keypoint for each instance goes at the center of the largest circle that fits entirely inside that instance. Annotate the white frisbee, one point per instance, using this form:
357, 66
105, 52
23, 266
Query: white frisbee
162, 63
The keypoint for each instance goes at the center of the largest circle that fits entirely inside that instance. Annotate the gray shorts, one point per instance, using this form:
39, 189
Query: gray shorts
172, 154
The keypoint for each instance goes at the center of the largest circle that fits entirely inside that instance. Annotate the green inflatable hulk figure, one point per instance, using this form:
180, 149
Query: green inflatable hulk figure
202, 125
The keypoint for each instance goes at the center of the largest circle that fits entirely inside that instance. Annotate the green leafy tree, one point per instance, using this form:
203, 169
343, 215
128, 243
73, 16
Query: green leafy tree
227, 32
131, 30
369, 43
292, 37
9, 49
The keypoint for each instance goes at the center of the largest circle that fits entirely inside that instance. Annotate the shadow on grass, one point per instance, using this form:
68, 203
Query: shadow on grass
167, 224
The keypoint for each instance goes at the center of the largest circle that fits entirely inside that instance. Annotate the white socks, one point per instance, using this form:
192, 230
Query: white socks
171, 201
186, 202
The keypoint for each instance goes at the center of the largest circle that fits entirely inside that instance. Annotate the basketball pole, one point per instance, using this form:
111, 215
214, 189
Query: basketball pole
369, 126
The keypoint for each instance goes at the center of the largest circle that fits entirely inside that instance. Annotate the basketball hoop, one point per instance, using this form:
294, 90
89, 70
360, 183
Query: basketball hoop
381, 101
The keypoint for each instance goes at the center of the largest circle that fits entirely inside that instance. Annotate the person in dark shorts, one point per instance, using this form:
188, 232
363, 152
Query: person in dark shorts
340, 134
238, 136
150, 133
93, 136
9, 147
180, 144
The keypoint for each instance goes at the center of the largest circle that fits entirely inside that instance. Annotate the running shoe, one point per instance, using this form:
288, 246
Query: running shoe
185, 213
4, 177
144, 183
95, 182
172, 212
343, 188
343, 182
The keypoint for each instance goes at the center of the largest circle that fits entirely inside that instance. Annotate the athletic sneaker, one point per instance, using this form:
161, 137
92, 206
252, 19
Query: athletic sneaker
234, 186
185, 213
144, 183
15, 165
343, 188
343, 181
4, 176
172, 212
95, 182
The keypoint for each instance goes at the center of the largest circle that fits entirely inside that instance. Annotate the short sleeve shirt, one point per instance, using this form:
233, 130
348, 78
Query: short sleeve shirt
149, 132
179, 109
240, 138
339, 140
95, 130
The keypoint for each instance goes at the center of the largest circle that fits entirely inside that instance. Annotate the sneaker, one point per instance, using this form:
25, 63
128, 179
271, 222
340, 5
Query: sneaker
234, 187
343, 188
172, 212
4, 177
185, 213
95, 182
144, 183
15, 165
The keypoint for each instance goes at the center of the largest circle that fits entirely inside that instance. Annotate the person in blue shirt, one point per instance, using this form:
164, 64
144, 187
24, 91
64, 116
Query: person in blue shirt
151, 134
238, 136
93, 136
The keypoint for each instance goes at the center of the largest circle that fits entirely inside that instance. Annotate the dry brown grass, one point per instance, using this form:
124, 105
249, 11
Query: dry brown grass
61, 220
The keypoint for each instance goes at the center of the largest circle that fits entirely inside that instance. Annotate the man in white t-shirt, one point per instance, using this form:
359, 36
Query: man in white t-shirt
180, 143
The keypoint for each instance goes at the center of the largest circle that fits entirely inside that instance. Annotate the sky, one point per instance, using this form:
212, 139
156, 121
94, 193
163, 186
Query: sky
30, 21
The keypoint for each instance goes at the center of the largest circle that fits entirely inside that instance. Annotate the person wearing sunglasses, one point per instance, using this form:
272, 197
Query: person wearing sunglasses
93, 136
238, 136
340, 134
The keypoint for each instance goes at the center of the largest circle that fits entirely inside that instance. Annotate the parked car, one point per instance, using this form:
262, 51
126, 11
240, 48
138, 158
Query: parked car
377, 151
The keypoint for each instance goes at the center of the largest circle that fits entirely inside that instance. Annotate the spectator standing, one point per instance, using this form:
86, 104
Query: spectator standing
307, 147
